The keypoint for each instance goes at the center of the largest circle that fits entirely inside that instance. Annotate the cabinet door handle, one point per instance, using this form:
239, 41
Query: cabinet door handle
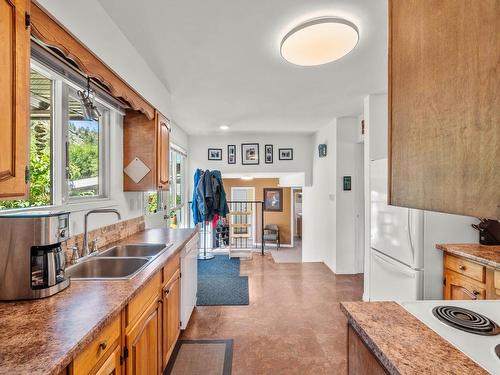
473, 295
462, 267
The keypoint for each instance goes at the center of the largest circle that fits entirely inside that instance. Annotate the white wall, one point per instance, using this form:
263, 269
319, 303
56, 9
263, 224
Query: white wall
349, 153
330, 214
319, 202
301, 144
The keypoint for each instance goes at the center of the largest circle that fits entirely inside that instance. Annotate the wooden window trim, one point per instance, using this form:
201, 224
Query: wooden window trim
50, 32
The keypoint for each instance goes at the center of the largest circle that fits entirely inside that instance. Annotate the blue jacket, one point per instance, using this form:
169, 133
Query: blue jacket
197, 218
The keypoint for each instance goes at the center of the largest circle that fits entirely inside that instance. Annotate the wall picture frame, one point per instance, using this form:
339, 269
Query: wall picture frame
215, 154
268, 154
249, 153
231, 154
273, 199
285, 153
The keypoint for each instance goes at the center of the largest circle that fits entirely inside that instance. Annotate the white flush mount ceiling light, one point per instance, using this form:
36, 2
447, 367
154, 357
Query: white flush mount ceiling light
319, 41
224, 127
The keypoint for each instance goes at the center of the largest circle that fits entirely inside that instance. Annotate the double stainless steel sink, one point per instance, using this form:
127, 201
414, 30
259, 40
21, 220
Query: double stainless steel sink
119, 262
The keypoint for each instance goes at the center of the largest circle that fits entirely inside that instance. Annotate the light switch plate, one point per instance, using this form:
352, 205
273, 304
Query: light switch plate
136, 170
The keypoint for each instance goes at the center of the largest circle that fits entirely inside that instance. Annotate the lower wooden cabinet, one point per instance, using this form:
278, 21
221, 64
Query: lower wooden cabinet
141, 339
97, 351
171, 316
458, 287
467, 280
143, 343
361, 361
112, 365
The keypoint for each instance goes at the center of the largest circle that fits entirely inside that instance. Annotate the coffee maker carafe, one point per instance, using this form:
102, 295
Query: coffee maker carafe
31, 254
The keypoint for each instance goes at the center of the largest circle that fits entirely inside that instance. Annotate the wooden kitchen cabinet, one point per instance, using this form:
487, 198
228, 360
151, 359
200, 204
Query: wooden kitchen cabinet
361, 361
149, 141
459, 287
112, 365
14, 97
444, 107
101, 347
468, 280
171, 316
143, 343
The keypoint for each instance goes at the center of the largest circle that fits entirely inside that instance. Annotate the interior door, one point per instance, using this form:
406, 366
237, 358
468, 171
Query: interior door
14, 97
143, 343
163, 156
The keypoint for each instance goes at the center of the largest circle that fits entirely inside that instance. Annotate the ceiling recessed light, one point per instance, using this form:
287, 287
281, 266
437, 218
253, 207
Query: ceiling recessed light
319, 41
247, 178
224, 127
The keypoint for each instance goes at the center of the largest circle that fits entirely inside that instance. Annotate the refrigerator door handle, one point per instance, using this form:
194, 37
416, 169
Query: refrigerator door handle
410, 237
381, 259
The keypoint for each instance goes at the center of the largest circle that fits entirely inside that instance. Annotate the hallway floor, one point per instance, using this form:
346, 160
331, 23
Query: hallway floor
293, 324
288, 254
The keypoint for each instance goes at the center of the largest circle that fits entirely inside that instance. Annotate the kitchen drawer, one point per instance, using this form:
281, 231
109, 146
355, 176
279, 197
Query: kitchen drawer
98, 349
142, 300
173, 265
458, 287
466, 268
497, 281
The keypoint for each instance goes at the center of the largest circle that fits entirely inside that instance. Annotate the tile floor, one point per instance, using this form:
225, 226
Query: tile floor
293, 324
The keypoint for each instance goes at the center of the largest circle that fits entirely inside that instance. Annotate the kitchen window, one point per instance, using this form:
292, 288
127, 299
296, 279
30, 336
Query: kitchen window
68, 156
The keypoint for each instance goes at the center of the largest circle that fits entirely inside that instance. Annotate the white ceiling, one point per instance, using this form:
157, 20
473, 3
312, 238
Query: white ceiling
220, 60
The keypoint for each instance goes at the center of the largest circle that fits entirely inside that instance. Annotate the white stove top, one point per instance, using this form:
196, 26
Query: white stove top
481, 349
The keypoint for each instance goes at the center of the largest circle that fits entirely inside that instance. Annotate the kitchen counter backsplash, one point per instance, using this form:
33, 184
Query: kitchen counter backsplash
106, 235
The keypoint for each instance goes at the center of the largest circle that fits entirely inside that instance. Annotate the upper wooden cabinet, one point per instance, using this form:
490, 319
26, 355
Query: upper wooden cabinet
444, 106
149, 141
14, 96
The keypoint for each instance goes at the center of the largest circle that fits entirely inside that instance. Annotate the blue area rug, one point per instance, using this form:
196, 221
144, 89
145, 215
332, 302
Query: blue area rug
220, 283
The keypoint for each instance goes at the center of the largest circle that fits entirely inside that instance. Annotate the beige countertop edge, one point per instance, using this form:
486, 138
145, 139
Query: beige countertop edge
144, 275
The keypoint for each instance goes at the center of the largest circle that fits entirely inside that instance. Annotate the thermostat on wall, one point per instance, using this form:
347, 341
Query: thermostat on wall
347, 183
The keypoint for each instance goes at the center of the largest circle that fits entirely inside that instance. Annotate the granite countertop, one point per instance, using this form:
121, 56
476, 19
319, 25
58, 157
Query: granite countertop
486, 255
402, 343
43, 336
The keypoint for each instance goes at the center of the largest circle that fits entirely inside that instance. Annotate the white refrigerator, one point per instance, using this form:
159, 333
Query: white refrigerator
404, 263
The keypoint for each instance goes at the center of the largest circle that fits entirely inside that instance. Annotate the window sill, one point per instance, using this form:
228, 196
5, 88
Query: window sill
70, 207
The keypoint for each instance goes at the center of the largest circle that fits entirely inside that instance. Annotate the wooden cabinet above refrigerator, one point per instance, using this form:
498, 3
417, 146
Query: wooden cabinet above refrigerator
147, 142
444, 106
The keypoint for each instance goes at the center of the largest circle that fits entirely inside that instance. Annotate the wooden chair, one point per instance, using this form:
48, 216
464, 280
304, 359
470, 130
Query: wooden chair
272, 234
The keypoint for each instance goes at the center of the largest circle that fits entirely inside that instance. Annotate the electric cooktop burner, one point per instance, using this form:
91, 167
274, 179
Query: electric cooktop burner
466, 320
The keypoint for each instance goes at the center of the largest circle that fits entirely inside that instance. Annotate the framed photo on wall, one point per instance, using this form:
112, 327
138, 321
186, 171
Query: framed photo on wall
249, 153
215, 154
273, 199
231, 154
268, 154
285, 153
